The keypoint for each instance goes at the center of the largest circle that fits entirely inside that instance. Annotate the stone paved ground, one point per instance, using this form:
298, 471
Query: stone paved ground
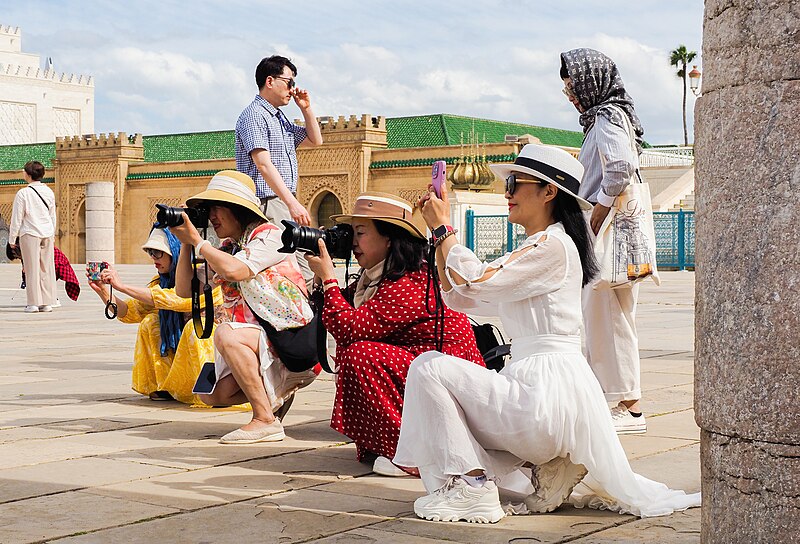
83, 459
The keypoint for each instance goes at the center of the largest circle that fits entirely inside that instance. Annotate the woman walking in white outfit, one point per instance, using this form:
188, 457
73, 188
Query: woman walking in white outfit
33, 219
470, 430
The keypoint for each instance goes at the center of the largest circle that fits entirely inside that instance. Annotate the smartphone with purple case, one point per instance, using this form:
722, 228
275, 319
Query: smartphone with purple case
438, 177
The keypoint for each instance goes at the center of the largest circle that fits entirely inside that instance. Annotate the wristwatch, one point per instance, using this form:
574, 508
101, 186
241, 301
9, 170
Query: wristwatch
441, 230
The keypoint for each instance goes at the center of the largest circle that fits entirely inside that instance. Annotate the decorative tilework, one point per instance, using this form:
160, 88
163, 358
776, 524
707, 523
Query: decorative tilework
17, 122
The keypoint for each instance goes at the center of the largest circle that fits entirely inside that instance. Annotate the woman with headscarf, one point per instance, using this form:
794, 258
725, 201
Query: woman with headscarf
382, 322
593, 85
168, 355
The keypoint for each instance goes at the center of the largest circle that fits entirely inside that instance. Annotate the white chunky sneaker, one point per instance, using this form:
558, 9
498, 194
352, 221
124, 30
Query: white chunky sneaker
625, 423
31, 309
457, 500
553, 482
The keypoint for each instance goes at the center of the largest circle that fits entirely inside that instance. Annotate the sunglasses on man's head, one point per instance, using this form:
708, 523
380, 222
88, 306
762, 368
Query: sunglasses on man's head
512, 181
155, 253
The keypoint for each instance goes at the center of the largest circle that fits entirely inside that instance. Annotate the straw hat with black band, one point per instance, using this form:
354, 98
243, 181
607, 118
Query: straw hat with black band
232, 187
550, 164
386, 207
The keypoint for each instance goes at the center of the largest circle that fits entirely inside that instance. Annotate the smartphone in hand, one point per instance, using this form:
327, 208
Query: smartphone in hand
438, 177
206, 381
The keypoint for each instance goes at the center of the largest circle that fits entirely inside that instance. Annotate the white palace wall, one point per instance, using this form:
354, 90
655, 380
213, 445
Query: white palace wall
38, 104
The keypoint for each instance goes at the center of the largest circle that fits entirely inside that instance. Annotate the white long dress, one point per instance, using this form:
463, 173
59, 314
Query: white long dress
546, 402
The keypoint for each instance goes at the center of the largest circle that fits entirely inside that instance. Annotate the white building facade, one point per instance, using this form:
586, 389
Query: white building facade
38, 104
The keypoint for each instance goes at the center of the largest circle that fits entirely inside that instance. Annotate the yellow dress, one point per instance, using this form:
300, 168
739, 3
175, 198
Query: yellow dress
175, 373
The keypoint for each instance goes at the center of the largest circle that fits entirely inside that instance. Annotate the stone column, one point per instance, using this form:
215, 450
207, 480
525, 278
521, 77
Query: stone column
747, 142
100, 221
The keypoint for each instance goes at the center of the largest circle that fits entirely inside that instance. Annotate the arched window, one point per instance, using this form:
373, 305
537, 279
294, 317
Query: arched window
328, 206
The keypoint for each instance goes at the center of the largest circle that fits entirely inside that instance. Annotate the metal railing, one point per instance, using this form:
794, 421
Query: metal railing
674, 239
491, 236
667, 156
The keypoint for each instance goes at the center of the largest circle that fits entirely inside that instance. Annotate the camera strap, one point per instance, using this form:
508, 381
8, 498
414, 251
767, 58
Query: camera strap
201, 330
111, 306
438, 302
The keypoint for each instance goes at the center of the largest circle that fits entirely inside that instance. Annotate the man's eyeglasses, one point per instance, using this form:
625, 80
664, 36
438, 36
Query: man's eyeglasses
289, 81
155, 253
512, 181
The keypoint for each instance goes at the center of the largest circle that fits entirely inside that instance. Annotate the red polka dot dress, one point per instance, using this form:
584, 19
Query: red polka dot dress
375, 345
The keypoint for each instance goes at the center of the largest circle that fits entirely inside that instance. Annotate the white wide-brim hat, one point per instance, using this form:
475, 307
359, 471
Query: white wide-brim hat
550, 164
158, 241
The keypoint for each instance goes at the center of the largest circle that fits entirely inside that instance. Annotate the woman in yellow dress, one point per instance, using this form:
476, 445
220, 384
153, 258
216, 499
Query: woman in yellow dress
168, 355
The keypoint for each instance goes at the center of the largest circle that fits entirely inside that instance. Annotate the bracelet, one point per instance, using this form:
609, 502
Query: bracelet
199, 246
442, 238
330, 281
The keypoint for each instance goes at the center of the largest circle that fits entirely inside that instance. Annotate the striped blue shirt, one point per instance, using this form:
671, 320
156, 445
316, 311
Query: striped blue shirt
263, 126
603, 182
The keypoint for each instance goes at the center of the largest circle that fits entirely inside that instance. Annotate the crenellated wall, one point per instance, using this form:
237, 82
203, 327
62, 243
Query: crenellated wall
38, 104
353, 158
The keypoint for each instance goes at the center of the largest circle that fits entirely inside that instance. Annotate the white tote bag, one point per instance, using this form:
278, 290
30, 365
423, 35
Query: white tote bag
626, 243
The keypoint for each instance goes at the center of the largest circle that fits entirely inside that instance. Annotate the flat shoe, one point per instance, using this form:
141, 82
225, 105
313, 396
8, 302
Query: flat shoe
385, 467
160, 395
271, 433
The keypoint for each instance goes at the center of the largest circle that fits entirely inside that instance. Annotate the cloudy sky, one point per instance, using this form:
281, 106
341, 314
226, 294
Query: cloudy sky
177, 66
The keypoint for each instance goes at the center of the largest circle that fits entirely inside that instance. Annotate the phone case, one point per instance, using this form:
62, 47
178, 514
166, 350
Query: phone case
206, 381
438, 177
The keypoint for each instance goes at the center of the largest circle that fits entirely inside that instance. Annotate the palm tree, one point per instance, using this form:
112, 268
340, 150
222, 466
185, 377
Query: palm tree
679, 58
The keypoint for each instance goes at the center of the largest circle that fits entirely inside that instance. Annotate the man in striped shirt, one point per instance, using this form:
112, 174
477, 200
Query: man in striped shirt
266, 143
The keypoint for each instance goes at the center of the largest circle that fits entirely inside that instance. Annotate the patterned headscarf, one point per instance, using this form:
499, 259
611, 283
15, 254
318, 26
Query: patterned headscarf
597, 83
170, 322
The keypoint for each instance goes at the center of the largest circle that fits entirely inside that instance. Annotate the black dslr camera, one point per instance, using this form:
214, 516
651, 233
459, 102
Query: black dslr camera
338, 239
168, 216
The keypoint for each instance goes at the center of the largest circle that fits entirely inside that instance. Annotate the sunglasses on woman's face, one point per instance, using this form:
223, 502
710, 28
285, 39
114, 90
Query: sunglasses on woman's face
155, 253
512, 181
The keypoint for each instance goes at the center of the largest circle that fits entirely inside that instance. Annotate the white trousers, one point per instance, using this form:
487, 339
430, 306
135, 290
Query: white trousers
40, 269
612, 346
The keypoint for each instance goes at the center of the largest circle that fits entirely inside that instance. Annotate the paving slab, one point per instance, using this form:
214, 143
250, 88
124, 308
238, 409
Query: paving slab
45, 518
559, 526
83, 458
73, 474
679, 528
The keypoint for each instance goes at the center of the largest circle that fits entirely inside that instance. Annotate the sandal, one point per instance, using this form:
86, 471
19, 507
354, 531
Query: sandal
160, 395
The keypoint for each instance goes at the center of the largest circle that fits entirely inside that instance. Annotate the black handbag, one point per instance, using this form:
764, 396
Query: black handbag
12, 253
494, 351
301, 348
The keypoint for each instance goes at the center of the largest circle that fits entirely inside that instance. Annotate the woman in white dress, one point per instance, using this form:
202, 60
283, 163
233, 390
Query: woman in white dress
470, 430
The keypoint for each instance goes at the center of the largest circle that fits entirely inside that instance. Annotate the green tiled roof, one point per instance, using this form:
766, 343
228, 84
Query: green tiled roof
428, 162
402, 132
189, 147
443, 129
14, 157
163, 175
21, 181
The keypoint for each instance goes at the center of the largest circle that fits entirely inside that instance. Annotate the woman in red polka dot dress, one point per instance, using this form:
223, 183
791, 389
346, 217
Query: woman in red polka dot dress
381, 323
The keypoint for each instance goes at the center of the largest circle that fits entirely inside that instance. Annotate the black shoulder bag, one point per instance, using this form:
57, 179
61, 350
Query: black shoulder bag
300, 348
494, 351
